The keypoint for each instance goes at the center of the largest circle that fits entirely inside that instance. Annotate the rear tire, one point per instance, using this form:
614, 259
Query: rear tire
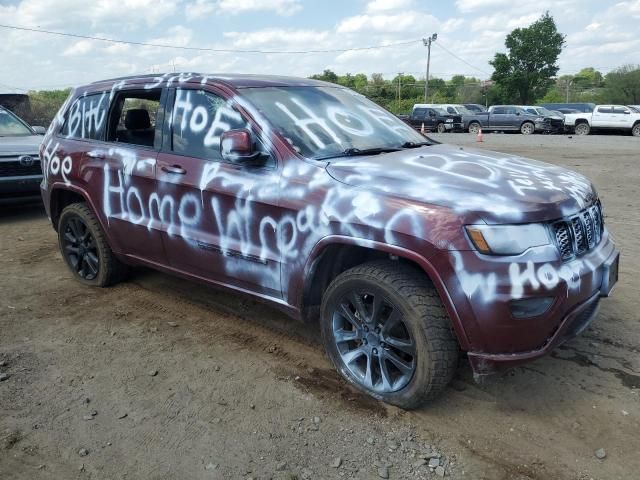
84, 247
387, 333
582, 129
527, 128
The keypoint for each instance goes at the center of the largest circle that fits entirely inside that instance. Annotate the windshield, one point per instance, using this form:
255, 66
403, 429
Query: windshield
10, 126
324, 122
544, 111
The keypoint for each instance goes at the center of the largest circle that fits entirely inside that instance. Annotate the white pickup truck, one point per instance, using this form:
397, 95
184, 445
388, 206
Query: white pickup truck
609, 117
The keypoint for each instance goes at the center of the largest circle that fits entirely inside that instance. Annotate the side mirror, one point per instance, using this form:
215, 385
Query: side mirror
236, 146
627, 112
517, 113
39, 130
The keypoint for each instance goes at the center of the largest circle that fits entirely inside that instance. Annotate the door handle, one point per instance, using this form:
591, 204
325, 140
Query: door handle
98, 155
177, 169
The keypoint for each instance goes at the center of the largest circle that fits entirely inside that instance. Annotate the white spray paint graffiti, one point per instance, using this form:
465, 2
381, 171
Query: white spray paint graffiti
339, 207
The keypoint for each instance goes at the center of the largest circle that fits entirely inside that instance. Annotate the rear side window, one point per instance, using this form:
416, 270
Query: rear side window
198, 120
133, 118
86, 118
419, 112
620, 110
499, 111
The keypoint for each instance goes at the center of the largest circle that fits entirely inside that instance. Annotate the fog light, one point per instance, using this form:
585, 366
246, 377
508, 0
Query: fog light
530, 307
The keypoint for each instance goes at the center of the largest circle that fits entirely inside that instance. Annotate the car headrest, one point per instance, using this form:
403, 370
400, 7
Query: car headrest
137, 119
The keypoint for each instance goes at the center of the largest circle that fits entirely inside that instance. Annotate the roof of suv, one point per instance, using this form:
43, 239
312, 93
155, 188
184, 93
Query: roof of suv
231, 79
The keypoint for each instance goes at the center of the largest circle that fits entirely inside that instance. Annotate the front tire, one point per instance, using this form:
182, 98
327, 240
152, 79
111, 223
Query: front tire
441, 128
635, 131
387, 333
474, 128
582, 129
85, 249
527, 128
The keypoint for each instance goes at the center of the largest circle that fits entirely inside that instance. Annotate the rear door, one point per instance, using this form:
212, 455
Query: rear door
498, 117
218, 217
621, 117
128, 171
602, 117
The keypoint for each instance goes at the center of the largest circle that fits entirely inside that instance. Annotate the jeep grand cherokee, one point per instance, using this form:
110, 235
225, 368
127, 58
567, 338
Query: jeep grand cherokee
310, 197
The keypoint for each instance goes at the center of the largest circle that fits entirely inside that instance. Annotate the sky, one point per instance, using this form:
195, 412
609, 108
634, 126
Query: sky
599, 33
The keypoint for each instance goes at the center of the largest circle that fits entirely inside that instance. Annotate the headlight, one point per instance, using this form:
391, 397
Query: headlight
449, 120
508, 239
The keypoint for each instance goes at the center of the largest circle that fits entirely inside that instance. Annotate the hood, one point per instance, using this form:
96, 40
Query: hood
494, 187
26, 144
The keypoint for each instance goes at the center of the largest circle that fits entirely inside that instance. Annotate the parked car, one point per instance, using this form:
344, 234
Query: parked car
557, 118
605, 117
475, 107
20, 172
635, 108
507, 118
581, 107
452, 109
310, 197
434, 119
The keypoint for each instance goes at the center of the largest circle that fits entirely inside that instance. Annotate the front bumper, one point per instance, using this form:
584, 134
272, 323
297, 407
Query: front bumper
16, 188
485, 288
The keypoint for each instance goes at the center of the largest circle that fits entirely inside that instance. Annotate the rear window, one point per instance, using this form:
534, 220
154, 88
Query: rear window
86, 119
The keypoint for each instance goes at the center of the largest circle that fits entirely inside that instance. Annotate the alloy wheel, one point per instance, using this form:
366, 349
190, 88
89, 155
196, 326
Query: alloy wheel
373, 342
80, 249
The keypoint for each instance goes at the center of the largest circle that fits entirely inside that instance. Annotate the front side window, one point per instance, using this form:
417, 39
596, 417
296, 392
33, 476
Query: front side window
323, 122
12, 126
199, 118
620, 110
86, 118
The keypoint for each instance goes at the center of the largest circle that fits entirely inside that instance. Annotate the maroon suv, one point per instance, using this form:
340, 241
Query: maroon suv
309, 196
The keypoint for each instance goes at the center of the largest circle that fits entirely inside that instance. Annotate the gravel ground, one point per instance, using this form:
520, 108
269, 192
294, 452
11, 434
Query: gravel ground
159, 378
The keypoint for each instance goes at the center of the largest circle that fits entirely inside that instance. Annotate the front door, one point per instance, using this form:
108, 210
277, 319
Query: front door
219, 218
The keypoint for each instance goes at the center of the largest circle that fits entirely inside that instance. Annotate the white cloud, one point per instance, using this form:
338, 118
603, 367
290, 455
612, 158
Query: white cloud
280, 39
81, 47
376, 6
466, 6
281, 7
401, 22
199, 8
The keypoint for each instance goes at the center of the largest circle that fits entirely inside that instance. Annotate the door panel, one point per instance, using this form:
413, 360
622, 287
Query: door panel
219, 219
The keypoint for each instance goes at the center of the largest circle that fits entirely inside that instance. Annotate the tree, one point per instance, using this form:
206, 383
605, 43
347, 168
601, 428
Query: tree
526, 72
327, 76
623, 85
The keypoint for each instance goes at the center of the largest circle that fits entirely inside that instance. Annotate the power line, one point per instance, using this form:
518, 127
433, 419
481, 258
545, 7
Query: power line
439, 44
205, 49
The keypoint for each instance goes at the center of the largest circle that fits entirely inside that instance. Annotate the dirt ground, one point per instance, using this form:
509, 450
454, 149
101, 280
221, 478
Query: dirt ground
158, 378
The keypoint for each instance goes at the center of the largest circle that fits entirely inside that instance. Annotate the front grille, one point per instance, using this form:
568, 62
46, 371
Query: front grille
580, 233
15, 169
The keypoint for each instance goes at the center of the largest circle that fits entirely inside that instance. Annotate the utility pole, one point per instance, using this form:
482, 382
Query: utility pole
427, 43
399, 89
569, 82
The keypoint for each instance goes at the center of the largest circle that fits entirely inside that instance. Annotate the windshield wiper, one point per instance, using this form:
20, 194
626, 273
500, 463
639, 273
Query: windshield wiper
415, 144
356, 152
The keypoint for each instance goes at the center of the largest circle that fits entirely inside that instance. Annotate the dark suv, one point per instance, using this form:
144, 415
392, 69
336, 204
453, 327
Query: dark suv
20, 172
308, 196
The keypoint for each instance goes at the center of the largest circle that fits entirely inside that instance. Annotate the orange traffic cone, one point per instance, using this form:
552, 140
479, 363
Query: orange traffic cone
479, 138
422, 128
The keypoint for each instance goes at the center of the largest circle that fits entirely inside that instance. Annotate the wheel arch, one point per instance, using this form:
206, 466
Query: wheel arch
326, 262
63, 195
